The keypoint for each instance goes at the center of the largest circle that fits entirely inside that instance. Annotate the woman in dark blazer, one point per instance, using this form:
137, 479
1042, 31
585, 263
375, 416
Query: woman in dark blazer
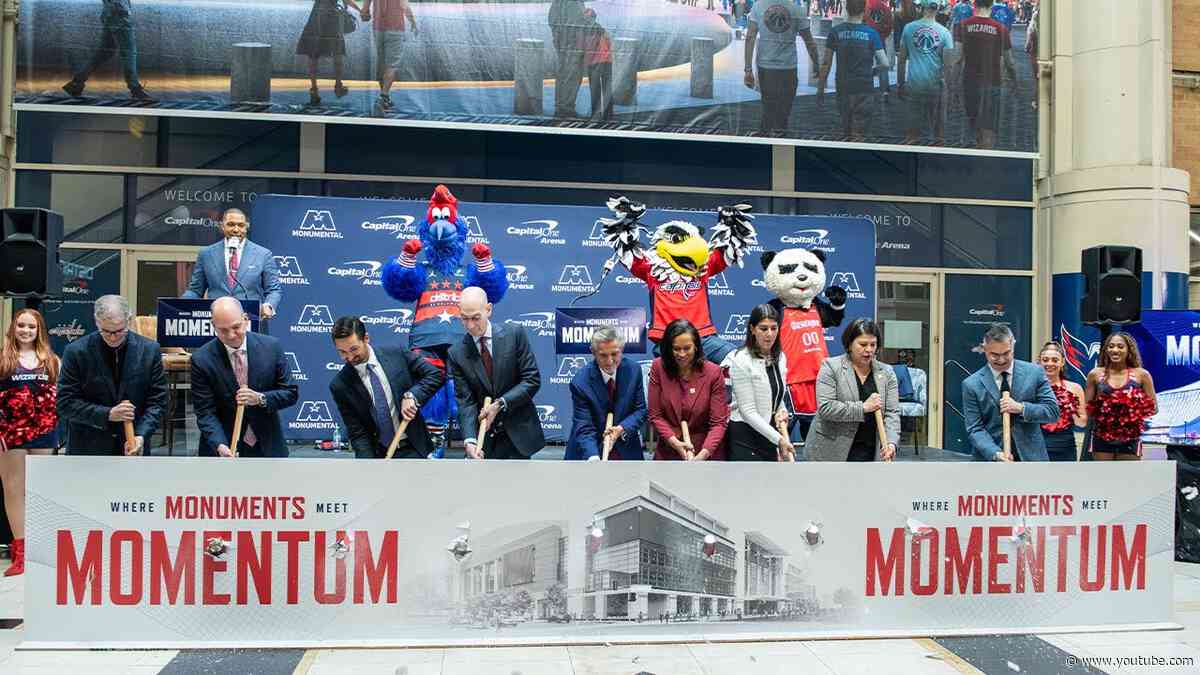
684, 386
850, 388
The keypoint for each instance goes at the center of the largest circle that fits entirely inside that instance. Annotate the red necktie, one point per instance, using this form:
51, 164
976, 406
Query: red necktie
486, 355
233, 267
612, 391
239, 372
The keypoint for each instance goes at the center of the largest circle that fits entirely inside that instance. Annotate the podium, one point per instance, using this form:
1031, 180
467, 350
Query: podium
573, 328
187, 322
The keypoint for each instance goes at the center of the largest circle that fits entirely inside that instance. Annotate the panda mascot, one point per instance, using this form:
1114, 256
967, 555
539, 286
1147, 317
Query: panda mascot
796, 276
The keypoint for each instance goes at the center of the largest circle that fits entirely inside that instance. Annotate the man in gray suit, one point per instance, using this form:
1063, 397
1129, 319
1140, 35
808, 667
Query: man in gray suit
495, 360
236, 266
1031, 402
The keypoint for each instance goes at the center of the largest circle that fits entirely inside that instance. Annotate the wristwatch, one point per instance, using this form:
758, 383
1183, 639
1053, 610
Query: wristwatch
408, 395
262, 399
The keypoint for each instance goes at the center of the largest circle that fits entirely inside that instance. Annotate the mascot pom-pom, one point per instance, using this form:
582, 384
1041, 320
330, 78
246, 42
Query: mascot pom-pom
678, 264
434, 286
797, 276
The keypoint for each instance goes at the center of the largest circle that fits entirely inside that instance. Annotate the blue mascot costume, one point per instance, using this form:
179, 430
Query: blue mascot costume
435, 286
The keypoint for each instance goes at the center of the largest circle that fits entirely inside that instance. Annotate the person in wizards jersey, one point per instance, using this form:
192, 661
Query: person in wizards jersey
433, 285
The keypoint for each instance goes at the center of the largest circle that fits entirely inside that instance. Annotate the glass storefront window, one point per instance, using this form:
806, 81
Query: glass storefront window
187, 209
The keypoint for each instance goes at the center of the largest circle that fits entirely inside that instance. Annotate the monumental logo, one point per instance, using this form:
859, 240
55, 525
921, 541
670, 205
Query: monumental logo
289, 270
365, 271
475, 231
397, 320
567, 367
313, 319
596, 238
545, 231
518, 277
317, 224
735, 328
719, 285
814, 238
313, 416
401, 226
848, 281
540, 323
70, 332
549, 418
574, 279
298, 374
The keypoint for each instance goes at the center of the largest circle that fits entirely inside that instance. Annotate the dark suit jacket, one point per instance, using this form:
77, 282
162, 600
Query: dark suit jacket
406, 372
515, 378
985, 423
707, 419
86, 392
590, 408
214, 388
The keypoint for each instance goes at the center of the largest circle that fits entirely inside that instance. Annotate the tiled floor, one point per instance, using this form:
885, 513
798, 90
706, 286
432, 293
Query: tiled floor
1005, 655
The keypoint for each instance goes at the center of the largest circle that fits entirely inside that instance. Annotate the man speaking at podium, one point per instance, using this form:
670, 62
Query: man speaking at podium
236, 266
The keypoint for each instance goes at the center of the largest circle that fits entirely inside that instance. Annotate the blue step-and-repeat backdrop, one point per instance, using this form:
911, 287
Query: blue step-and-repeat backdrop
330, 252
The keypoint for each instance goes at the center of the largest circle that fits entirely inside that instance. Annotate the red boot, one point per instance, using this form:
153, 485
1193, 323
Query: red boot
18, 559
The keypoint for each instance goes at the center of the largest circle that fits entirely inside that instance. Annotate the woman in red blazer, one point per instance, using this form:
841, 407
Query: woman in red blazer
684, 386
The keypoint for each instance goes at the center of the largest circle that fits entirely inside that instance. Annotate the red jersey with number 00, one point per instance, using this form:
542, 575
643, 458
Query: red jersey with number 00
803, 343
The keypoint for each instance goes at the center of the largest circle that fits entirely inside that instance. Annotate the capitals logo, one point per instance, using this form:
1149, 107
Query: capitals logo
298, 374
475, 231
778, 19
542, 323
813, 238
313, 319
289, 270
545, 231
719, 285
596, 238
317, 224
548, 418
518, 277
1081, 356
927, 39
399, 320
567, 367
313, 416
367, 271
401, 226
735, 328
848, 281
574, 279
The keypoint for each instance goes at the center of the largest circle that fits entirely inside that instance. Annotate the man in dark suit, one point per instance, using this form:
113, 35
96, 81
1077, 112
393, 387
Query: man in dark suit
378, 387
236, 266
610, 384
244, 368
1031, 402
495, 360
108, 378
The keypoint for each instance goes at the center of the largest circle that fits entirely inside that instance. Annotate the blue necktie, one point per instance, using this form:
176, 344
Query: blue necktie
383, 415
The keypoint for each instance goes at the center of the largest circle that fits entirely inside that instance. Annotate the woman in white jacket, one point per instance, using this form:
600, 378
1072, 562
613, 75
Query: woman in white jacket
758, 371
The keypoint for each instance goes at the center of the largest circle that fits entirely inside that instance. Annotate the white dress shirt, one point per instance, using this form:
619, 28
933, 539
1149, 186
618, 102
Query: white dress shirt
241, 249
233, 358
361, 369
491, 344
996, 375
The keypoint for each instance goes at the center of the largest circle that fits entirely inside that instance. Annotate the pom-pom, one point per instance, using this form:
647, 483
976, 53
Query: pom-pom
1121, 415
1068, 406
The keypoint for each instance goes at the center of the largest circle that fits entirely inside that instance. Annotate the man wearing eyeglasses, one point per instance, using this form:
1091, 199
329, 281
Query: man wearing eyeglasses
108, 378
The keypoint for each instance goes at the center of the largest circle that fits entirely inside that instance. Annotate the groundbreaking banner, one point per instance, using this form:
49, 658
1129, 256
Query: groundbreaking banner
1169, 343
638, 67
206, 552
330, 253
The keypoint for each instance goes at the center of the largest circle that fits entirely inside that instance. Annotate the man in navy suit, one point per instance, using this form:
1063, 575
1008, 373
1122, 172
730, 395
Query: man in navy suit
244, 368
108, 378
236, 266
1031, 402
379, 387
611, 383
495, 360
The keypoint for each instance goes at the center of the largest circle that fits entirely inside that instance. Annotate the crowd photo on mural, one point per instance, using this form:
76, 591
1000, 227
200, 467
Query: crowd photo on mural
960, 73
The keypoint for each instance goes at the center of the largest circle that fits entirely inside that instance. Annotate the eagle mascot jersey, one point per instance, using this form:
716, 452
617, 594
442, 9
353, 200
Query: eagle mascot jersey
797, 276
678, 264
434, 285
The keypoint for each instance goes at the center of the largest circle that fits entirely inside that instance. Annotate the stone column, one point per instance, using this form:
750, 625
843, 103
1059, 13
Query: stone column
529, 72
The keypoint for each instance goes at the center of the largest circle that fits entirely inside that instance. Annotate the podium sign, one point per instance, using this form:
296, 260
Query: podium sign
573, 327
187, 322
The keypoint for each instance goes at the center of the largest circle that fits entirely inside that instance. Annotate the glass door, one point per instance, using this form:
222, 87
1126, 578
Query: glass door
912, 338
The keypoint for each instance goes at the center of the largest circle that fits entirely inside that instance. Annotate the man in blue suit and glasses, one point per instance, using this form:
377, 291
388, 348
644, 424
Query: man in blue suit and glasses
610, 383
238, 267
1031, 402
